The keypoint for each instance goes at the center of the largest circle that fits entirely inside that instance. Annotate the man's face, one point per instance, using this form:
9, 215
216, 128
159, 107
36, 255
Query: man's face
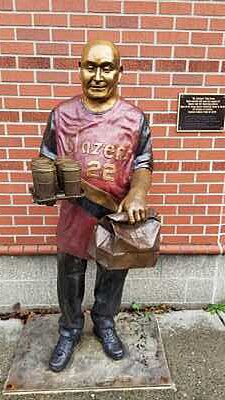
99, 72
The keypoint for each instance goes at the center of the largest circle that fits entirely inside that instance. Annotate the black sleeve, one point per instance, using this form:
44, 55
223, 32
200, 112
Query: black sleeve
144, 157
48, 145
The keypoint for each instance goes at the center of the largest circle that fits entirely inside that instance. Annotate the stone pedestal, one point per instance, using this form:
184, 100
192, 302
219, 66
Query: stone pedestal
90, 370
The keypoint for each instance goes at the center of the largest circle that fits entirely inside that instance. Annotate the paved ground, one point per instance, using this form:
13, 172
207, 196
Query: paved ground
195, 348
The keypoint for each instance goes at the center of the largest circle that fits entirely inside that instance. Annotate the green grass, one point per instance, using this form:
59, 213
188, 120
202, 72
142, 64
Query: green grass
215, 308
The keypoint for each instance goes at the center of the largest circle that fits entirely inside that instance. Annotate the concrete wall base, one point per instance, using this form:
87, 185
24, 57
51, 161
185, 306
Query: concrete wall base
186, 281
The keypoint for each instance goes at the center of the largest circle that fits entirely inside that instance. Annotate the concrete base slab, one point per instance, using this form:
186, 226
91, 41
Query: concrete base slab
144, 367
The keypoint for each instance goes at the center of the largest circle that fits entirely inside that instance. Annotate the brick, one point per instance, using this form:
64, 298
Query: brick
137, 37
66, 91
32, 142
48, 104
52, 77
166, 93
34, 116
20, 177
210, 230
68, 5
175, 239
86, 20
75, 78
165, 143
35, 90
70, 35
191, 23
191, 210
211, 177
211, 154
135, 64
120, 21
217, 24
34, 210
65, 63
113, 36
4, 177
216, 52
17, 76
6, 240
2, 154
223, 67
52, 220
214, 210
216, 188
18, 103
179, 177
12, 210
168, 118
166, 166
220, 142
46, 230
153, 105
27, 220
4, 199
52, 48
158, 22
175, 8
166, 230
22, 129
34, 62
193, 188
209, 9
7, 62
204, 239
179, 199
206, 38
6, 188
100, 6
128, 50
164, 188
215, 80
24, 154
7, 34
16, 48
15, 19
154, 79
22, 199
187, 79
50, 20
32, 34
41, 5
136, 92
210, 199
156, 51
140, 7
30, 240
6, 5
11, 165
204, 66
191, 230
197, 143
195, 166
172, 37
173, 65
189, 52
12, 116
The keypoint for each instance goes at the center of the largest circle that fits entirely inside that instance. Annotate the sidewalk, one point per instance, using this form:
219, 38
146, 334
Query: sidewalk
194, 342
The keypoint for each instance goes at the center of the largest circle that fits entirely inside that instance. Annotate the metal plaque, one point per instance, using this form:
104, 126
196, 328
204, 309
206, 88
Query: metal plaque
201, 112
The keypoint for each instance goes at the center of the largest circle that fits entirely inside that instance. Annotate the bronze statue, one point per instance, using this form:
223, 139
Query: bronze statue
110, 138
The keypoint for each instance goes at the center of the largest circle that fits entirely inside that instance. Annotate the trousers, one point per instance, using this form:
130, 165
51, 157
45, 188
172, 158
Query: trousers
71, 286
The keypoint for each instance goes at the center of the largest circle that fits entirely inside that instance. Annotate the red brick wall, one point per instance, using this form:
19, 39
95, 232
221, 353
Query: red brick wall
167, 47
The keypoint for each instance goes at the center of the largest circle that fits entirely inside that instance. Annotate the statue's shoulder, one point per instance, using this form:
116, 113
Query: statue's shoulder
69, 105
128, 107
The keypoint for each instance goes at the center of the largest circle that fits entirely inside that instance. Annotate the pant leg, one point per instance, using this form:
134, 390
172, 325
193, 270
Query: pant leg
70, 287
108, 293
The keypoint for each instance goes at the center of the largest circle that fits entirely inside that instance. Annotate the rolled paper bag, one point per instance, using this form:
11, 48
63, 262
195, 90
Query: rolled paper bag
44, 178
71, 175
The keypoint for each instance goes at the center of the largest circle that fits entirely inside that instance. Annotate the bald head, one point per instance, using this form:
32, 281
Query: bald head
105, 48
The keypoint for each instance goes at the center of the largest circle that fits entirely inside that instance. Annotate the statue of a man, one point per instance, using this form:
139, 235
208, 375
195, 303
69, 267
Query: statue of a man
111, 140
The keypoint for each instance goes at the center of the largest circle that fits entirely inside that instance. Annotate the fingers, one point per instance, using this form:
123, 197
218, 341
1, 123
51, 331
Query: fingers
136, 215
131, 215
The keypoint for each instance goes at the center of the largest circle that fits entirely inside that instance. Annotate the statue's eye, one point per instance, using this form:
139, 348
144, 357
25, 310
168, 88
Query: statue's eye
90, 68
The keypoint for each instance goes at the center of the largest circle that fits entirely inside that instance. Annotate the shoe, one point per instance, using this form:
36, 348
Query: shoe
111, 343
63, 351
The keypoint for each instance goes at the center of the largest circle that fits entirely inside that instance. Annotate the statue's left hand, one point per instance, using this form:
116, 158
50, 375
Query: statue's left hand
135, 206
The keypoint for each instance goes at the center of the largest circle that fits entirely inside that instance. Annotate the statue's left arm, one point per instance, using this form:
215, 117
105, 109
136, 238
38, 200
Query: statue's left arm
135, 202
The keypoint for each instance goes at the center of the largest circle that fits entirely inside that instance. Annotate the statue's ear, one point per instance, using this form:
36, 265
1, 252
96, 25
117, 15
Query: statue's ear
121, 69
79, 64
